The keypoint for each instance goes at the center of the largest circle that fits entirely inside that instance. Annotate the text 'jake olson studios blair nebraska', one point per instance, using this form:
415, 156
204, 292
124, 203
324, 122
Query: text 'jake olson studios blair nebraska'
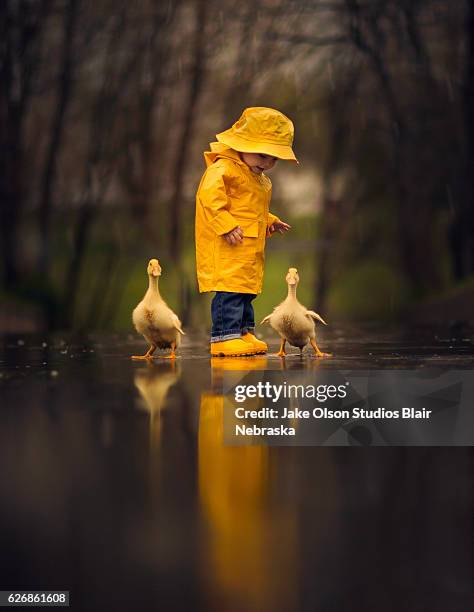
325, 413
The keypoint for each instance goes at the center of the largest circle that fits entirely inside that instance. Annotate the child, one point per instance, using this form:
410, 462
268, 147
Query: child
233, 220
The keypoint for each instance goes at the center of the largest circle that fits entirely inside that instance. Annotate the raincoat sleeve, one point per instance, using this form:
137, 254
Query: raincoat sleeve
214, 199
271, 219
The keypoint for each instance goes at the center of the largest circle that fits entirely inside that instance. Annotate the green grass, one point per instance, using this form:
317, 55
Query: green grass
369, 290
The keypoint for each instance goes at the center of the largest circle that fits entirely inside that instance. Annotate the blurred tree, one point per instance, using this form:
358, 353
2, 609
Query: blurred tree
64, 82
462, 229
105, 107
406, 114
22, 28
103, 148
194, 88
141, 156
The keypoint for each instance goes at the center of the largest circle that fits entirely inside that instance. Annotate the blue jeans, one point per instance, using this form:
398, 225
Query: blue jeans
232, 315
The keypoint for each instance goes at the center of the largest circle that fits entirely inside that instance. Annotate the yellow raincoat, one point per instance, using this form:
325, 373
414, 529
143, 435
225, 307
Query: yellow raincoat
230, 194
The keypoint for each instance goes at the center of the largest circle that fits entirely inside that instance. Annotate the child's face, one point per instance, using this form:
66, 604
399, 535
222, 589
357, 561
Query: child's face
259, 162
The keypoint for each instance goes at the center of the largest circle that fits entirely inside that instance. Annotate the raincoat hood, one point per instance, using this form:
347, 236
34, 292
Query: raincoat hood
221, 151
261, 130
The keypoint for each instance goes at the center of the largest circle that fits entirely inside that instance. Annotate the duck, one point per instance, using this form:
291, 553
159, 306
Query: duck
155, 320
294, 322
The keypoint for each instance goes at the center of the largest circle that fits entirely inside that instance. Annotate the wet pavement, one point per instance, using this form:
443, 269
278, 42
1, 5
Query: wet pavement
116, 486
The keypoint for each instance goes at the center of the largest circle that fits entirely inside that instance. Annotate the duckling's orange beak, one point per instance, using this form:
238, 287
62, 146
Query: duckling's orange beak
154, 268
292, 277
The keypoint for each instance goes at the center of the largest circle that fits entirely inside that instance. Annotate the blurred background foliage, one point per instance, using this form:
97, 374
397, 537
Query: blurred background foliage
105, 110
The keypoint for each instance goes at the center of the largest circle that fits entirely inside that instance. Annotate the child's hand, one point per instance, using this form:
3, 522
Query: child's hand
235, 236
278, 226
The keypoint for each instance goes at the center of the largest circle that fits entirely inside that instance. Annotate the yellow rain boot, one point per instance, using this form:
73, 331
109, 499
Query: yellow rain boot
232, 348
260, 347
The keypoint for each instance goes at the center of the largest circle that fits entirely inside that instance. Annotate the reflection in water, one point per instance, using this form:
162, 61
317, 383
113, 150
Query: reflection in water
235, 488
154, 382
195, 525
107, 429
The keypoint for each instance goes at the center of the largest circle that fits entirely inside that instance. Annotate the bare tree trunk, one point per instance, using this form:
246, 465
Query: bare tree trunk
138, 168
408, 240
243, 71
102, 290
49, 174
114, 297
469, 106
21, 26
462, 230
332, 211
195, 87
323, 254
83, 227
99, 164
176, 208
251, 59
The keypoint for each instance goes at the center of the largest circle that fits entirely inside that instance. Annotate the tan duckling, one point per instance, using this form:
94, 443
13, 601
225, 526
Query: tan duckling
293, 321
152, 318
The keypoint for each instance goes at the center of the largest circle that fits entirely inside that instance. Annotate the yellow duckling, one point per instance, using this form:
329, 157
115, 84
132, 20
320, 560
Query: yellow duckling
152, 318
293, 321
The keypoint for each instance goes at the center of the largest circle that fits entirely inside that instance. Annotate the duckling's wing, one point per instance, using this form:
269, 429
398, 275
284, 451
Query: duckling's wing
177, 324
314, 315
274, 312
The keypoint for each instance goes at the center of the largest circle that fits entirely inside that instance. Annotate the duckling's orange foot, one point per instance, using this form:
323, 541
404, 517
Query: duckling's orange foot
317, 352
172, 354
148, 356
281, 352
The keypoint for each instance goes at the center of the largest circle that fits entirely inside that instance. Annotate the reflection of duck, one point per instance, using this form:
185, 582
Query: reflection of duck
153, 383
293, 321
242, 522
154, 319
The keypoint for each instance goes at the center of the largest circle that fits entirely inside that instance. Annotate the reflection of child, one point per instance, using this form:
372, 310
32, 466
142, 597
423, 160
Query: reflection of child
233, 221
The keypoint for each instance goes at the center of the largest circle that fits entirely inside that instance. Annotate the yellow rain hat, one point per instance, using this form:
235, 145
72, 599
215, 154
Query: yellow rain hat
261, 130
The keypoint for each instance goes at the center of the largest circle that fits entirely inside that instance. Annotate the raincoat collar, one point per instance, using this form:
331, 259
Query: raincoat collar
218, 151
